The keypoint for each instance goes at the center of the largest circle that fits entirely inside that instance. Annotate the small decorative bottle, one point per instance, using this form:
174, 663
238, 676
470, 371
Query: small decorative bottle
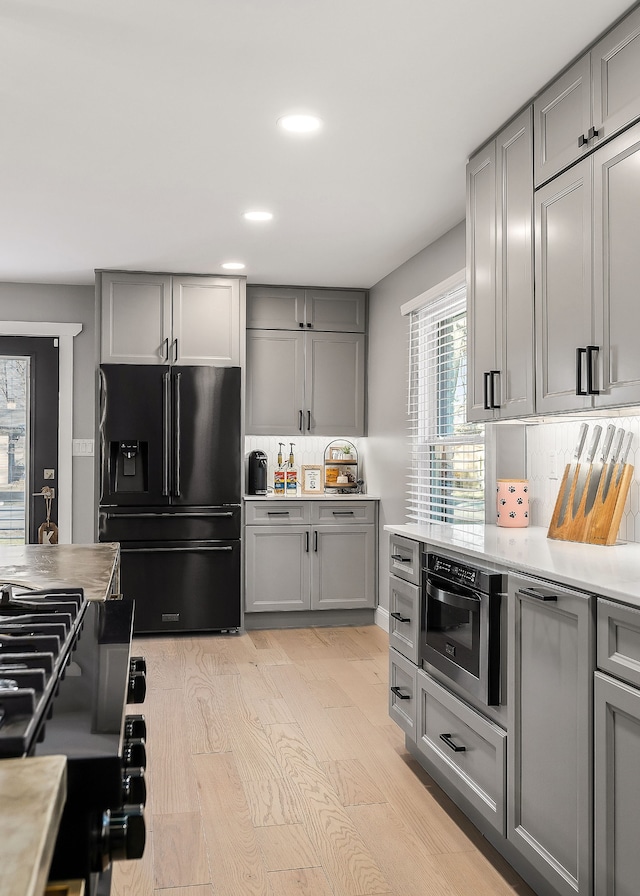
292, 474
279, 478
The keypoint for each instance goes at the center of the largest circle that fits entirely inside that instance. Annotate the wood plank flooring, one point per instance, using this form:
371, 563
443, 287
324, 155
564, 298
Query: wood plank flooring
274, 770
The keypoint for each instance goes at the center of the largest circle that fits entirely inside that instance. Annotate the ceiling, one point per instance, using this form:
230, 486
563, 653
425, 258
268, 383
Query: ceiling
135, 133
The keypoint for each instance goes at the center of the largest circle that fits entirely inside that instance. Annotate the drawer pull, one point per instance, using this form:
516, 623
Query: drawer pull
538, 595
400, 558
343, 512
398, 692
277, 513
399, 617
455, 747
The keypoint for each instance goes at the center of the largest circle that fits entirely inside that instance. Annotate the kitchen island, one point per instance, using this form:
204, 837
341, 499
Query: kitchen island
93, 567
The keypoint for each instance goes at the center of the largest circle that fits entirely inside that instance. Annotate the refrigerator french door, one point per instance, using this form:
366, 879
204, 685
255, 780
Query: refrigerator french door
170, 492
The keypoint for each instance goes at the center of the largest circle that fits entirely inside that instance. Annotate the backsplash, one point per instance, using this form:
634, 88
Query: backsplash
550, 440
306, 450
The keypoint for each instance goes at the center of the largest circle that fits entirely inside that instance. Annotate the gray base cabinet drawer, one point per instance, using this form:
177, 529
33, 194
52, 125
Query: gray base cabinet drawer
343, 513
469, 750
404, 617
402, 693
275, 513
618, 640
404, 558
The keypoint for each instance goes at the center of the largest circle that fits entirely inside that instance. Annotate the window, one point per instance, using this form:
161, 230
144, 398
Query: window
446, 476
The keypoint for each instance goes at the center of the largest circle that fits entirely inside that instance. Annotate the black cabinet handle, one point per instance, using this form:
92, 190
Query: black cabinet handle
400, 558
309, 421
306, 547
591, 351
582, 140
455, 747
277, 513
396, 690
492, 379
538, 594
301, 324
486, 377
579, 353
593, 132
300, 420
342, 512
310, 325
399, 617
315, 540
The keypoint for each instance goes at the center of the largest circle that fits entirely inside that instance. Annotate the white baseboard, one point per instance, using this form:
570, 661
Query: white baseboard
381, 618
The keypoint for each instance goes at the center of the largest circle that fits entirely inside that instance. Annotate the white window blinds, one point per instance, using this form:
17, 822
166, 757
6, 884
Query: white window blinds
446, 476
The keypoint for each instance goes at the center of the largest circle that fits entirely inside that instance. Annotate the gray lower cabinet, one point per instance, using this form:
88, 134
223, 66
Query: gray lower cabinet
551, 658
402, 692
170, 319
305, 383
299, 556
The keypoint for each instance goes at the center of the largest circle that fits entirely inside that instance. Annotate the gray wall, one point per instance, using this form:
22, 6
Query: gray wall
68, 304
386, 456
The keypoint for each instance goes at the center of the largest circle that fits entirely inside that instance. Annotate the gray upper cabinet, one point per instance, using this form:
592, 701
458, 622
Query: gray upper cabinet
295, 308
160, 319
592, 101
306, 363
500, 275
550, 760
587, 314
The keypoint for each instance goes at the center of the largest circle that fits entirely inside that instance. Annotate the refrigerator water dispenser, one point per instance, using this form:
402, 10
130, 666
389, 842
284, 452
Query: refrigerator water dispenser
128, 466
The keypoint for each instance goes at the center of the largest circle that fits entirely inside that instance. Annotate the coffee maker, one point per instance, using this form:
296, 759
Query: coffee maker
257, 473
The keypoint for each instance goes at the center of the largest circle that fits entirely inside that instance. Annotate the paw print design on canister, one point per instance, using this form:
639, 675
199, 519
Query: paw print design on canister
512, 503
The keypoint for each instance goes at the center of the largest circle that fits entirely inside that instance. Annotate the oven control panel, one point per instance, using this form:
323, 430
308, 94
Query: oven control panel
472, 577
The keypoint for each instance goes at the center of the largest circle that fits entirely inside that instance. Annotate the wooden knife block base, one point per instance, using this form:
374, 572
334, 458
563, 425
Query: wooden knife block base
601, 524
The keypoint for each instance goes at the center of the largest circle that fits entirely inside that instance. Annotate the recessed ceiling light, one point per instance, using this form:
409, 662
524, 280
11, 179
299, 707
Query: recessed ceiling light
258, 216
300, 124
233, 265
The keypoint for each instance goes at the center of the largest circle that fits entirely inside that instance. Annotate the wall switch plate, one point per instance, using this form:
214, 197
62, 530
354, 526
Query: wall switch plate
82, 448
553, 465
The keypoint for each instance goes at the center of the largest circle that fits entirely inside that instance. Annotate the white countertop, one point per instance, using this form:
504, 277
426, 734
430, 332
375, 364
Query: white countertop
273, 497
610, 571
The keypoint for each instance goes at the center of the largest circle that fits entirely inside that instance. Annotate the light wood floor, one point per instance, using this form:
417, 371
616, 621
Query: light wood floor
274, 770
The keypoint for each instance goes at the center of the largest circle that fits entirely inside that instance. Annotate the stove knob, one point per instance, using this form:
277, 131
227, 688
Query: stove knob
135, 726
134, 787
134, 753
137, 690
138, 664
126, 835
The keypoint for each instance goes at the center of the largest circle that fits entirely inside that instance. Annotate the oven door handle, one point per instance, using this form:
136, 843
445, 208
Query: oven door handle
452, 598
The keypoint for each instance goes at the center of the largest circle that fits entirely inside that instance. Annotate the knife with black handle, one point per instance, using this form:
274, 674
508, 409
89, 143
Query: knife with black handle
598, 470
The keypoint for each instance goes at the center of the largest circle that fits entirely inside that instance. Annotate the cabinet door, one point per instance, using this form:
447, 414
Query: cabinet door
275, 383
615, 71
336, 310
550, 687
617, 787
514, 271
275, 308
343, 567
481, 280
562, 121
334, 384
277, 568
616, 203
206, 321
563, 288
136, 318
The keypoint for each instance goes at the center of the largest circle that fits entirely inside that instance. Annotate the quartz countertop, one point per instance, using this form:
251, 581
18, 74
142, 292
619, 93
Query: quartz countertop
273, 497
89, 566
32, 795
610, 571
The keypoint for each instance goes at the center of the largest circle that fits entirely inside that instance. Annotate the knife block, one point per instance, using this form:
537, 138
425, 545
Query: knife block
601, 524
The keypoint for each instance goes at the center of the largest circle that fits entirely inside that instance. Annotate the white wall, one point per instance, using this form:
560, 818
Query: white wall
385, 449
68, 304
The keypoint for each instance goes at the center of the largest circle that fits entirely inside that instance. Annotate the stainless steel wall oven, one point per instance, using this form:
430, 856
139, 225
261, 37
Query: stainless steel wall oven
461, 625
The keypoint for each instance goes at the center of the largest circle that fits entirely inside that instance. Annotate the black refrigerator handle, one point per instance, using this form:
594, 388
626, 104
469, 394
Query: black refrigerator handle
177, 437
166, 413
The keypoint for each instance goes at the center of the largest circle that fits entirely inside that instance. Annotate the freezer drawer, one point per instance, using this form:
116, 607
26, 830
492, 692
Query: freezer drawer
155, 524
182, 586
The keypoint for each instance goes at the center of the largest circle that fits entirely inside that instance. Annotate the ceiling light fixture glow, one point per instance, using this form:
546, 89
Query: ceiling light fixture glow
300, 124
233, 265
257, 216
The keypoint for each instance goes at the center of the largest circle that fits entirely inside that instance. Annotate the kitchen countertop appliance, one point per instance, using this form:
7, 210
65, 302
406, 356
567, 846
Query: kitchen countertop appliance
257, 473
171, 492
66, 675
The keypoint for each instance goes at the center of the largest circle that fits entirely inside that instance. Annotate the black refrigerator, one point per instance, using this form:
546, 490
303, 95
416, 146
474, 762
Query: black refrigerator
170, 470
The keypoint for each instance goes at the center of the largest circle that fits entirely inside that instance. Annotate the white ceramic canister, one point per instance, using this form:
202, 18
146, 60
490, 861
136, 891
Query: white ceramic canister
512, 503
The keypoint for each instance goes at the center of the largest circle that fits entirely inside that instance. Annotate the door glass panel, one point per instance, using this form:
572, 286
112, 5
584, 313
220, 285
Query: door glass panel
14, 440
